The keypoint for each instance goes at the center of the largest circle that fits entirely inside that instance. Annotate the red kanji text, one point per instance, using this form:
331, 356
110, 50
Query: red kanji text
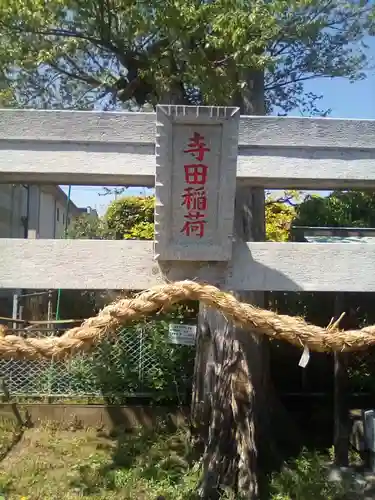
194, 215
194, 228
194, 198
197, 147
196, 173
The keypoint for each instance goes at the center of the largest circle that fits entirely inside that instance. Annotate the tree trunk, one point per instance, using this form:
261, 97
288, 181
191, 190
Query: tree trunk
229, 374
231, 407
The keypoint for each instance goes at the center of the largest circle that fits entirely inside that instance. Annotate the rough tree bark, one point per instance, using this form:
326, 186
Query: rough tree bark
228, 386
231, 410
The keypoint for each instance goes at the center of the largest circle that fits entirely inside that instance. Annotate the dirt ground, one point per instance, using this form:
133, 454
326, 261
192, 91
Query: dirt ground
48, 463
51, 463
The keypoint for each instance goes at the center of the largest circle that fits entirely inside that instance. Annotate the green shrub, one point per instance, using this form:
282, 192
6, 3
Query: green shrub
139, 361
306, 478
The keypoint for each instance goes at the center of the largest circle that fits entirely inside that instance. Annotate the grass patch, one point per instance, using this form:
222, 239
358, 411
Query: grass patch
306, 478
10, 435
49, 463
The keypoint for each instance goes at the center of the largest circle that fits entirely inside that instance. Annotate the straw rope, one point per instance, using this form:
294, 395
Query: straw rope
92, 331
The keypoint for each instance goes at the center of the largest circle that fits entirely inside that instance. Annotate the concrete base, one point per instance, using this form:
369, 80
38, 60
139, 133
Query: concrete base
95, 416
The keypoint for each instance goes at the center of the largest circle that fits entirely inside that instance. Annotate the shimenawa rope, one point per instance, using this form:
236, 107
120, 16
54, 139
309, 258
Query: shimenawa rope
92, 331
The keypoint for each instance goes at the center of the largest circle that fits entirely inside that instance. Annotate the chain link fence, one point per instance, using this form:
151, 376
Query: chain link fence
139, 362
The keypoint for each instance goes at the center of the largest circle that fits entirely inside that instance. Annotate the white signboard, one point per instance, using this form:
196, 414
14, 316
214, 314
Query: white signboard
182, 334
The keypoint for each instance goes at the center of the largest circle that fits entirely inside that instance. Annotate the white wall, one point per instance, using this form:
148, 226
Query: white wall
48, 209
5, 195
46, 219
13, 205
47, 215
60, 219
52, 214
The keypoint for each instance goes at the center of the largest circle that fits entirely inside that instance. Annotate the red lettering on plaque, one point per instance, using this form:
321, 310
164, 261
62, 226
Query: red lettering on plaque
197, 147
194, 228
194, 198
195, 173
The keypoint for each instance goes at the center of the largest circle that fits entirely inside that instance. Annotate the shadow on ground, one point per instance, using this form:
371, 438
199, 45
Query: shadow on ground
143, 464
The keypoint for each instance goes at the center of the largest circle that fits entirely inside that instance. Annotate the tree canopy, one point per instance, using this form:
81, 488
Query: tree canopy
128, 53
340, 208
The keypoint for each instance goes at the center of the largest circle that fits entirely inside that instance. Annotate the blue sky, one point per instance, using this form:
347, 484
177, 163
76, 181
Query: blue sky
356, 100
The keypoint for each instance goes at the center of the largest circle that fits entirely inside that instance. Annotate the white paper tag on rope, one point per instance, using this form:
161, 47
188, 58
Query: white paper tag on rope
304, 358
